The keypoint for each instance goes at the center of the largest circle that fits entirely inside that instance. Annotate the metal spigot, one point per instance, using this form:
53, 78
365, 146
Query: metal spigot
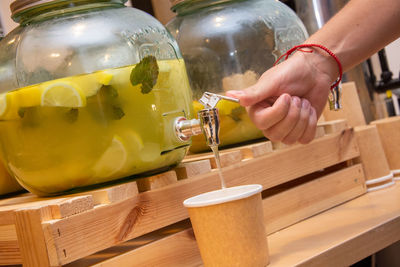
335, 98
208, 122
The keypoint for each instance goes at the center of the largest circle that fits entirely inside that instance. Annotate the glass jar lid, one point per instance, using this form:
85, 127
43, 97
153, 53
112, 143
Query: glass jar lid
20, 5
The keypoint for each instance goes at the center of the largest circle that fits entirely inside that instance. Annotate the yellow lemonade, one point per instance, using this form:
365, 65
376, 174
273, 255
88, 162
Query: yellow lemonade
235, 126
7, 183
92, 128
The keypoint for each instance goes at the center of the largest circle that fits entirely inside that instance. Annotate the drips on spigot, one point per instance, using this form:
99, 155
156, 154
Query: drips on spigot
208, 122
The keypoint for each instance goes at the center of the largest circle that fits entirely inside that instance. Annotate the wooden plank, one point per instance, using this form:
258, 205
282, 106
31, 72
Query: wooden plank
105, 195
9, 249
71, 206
334, 126
228, 158
105, 226
112, 194
372, 155
156, 181
8, 206
192, 169
340, 236
300, 202
388, 130
31, 237
320, 132
253, 150
257, 150
280, 145
351, 107
166, 250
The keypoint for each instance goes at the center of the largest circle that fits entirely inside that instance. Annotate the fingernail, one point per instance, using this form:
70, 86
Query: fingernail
296, 101
287, 99
235, 93
305, 104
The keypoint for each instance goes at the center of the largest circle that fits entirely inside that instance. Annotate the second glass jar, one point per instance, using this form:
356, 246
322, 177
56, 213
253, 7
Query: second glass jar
227, 45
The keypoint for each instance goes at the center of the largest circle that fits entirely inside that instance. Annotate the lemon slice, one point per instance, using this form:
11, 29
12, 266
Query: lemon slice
3, 104
113, 159
8, 106
104, 77
29, 96
62, 94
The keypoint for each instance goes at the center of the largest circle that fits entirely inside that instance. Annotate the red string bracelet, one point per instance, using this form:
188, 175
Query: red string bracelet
299, 47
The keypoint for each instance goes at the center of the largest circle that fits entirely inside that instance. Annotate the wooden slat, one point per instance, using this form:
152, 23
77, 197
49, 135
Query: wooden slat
177, 250
31, 237
372, 154
156, 181
192, 169
320, 132
253, 150
112, 194
9, 249
105, 195
340, 236
71, 206
280, 145
389, 129
228, 158
105, 226
300, 202
334, 126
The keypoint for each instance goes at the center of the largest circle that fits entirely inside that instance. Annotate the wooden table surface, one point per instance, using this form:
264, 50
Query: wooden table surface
342, 235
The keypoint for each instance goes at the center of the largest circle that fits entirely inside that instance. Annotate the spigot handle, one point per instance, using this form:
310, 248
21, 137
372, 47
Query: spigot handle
210, 100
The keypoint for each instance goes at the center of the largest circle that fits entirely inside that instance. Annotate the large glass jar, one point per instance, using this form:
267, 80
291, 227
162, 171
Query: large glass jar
227, 45
90, 93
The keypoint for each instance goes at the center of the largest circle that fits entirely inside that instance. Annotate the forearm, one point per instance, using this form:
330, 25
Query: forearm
359, 30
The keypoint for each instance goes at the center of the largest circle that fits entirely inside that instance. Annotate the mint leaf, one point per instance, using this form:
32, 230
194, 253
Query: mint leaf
109, 91
21, 112
236, 113
117, 113
71, 115
145, 73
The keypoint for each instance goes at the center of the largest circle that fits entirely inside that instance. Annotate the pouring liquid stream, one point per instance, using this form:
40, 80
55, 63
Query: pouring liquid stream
218, 161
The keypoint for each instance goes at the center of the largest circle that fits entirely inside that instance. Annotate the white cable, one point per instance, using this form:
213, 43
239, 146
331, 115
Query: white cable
380, 187
380, 179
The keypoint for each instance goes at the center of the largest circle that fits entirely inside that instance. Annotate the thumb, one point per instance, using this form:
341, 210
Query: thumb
255, 93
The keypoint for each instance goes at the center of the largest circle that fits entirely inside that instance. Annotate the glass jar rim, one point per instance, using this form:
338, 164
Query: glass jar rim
20, 5
178, 4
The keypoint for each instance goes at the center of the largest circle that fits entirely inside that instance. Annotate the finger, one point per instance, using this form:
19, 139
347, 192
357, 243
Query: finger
301, 124
265, 116
309, 133
280, 130
263, 89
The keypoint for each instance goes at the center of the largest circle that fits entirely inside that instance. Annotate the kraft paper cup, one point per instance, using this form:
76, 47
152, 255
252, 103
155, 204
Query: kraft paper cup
229, 226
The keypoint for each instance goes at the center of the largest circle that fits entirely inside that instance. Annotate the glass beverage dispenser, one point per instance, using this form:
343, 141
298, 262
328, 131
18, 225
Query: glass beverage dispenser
90, 92
227, 45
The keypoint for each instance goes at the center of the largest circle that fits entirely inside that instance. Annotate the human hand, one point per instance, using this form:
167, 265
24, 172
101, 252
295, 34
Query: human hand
288, 99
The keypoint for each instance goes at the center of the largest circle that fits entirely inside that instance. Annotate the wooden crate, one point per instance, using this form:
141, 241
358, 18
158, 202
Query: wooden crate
121, 225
